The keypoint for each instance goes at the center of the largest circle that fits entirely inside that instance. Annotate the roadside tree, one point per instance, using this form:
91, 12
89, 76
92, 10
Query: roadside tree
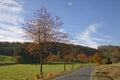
40, 29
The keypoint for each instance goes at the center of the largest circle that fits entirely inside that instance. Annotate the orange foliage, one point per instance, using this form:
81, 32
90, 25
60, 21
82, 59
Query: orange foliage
50, 75
52, 58
68, 58
97, 58
37, 77
81, 57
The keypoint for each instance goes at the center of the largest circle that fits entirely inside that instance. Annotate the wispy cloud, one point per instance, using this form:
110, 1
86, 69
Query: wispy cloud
85, 37
10, 5
15, 30
10, 17
104, 35
106, 40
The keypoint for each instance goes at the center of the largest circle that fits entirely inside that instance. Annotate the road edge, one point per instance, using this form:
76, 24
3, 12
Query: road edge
91, 78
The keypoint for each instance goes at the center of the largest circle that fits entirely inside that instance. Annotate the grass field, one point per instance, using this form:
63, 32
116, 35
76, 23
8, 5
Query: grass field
17, 72
7, 59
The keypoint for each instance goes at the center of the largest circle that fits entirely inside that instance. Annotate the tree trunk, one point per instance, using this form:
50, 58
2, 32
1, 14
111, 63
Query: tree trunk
80, 64
41, 64
72, 64
64, 66
65, 63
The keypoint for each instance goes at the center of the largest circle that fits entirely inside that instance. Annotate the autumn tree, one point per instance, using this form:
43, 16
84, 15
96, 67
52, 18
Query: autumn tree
52, 58
40, 29
81, 56
65, 51
97, 58
90, 58
68, 58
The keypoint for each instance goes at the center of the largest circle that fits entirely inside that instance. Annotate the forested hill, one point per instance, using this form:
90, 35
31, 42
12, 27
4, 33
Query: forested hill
8, 48
14, 48
110, 53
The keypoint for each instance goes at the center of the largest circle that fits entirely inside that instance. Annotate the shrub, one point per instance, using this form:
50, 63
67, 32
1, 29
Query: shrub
50, 74
106, 61
25, 78
37, 77
114, 60
19, 59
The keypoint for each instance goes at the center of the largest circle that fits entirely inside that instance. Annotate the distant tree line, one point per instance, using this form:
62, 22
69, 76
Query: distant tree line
16, 49
55, 50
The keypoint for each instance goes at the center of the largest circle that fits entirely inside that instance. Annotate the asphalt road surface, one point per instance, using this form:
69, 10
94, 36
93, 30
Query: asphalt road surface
82, 74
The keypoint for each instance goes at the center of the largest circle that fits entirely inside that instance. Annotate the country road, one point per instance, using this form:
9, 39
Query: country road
82, 74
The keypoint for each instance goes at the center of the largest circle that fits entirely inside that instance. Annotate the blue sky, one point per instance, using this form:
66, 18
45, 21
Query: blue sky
90, 23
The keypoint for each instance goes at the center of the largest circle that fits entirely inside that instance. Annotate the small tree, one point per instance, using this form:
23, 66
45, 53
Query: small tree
42, 29
19, 59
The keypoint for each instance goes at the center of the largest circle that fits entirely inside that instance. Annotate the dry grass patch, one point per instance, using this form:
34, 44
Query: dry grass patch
107, 72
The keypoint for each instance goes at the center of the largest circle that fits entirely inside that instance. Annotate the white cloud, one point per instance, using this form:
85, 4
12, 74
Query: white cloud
10, 5
86, 38
77, 42
10, 17
108, 40
61, 30
69, 3
10, 39
101, 40
11, 28
104, 35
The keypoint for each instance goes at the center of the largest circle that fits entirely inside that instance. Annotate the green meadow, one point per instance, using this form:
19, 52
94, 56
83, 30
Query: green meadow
7, 59
19, 71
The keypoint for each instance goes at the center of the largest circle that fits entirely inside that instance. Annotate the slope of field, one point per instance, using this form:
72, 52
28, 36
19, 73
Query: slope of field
7, 59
